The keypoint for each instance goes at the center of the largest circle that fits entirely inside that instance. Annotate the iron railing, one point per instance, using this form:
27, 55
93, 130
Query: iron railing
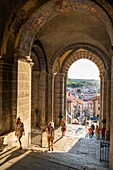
104, 150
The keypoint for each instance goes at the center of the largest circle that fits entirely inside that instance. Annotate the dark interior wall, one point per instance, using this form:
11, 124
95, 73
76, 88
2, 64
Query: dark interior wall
6, 8
5, 11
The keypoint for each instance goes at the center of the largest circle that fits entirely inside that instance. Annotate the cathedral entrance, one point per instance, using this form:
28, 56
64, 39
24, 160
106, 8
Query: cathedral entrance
41, 40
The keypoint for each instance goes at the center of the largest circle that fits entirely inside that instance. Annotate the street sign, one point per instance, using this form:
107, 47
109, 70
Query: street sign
94, 118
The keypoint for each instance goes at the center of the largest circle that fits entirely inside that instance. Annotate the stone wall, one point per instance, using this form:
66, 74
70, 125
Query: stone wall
5, 97
24, 96
58, 97
111, 122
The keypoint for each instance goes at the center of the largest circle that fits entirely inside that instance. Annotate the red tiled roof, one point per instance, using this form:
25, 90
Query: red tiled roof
96, 98
79, 100
68, 100
71, 97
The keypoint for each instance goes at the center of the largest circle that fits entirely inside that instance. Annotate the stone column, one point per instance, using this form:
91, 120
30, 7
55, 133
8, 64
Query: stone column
1, 97
65, 98
35, 117
5, 96
14, 92
24, 94
50, 97
58, 97
104, 93
101, 100
111, 120
43, 98
108, 98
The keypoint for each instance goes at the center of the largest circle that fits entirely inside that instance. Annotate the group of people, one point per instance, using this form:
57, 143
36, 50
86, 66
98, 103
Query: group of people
19, 132
97, 132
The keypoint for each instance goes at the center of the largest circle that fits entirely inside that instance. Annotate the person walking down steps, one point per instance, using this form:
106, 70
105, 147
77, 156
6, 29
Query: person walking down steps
50, 136
97, 132
63, 128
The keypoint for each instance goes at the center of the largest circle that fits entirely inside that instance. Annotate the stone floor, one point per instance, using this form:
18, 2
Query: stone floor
75, 151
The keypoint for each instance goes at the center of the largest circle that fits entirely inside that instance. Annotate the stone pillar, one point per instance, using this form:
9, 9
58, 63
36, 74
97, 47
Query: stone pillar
24, 94
108, 98
14, 93
111, 120
35, 117
65, 98
104, 93
50, 97
101, 100
1, 96
58, 97
43, 102
39, 99
5, 97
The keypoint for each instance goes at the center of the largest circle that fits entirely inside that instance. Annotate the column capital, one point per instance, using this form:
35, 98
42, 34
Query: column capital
60, 74
27, 59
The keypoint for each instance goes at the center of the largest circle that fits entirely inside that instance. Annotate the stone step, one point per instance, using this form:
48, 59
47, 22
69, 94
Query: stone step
1, 141
73, 160
79, 162
2, 145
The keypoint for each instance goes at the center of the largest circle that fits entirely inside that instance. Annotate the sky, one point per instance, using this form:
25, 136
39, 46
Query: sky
83, 69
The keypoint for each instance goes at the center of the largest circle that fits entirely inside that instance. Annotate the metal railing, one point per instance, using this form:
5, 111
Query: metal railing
104, 150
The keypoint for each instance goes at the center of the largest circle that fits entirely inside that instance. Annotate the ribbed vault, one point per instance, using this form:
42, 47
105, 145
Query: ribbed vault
36, 25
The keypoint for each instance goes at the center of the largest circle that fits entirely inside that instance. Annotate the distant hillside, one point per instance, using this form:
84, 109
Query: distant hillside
75, 83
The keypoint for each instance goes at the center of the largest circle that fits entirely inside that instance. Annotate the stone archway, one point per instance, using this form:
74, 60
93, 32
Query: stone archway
24, 27
61, 67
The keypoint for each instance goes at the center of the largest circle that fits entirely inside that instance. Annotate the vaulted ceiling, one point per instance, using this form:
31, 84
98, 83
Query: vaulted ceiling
69, 23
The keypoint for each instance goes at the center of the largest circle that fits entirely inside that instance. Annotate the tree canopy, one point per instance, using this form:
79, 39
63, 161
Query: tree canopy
76, 83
